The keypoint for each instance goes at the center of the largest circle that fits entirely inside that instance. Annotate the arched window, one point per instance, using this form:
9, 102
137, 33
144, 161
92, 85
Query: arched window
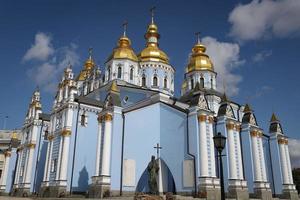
202, 82
119, 72
192, 83
165, 82
155, 80
131, 73
108, 74
83, 119
211, 83
144, 81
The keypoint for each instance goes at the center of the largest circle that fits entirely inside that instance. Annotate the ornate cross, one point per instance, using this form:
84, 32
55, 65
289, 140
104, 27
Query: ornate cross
152, 13
157, 147
125, 27
198, 36
90, 51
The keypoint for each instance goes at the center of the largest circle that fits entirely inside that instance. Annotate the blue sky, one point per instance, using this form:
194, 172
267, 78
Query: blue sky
253, 44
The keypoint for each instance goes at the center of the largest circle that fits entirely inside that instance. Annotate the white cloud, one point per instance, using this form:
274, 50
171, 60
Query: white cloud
294, 152
47, 74
261, 56
262, 18
225, 57
41, 49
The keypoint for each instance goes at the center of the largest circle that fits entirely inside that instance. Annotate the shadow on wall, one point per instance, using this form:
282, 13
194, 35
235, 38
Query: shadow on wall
83, 180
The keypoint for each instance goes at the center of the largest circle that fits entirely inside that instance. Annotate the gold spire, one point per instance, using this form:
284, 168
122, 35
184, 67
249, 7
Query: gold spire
123, 49
224, 98
247, 108
152, 51
88, 67
14, 135
114, 87
274, 118
89, 63
199, 60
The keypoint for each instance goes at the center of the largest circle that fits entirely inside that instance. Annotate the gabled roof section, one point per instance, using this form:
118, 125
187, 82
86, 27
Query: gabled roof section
225, 108
275, 126
249, 117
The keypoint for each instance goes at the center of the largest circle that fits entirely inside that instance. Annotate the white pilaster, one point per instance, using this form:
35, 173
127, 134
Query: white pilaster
28, 175
203, 146
231, 151
212, 147
256, 162
5, 171
98, 153
289, 163
240, 161
105, 169
262, 160
284, 166
65, 156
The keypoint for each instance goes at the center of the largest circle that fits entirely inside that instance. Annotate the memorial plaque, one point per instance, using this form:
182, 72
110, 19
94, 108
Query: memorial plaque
129, 173
188, 173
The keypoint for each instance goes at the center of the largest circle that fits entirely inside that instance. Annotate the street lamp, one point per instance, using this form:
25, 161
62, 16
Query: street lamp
220, 141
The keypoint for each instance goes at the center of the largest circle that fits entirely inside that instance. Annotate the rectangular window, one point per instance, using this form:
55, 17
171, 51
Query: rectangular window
53, 165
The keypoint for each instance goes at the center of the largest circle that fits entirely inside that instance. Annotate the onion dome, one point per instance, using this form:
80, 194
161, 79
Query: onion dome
152, 51
88, 67
123, 49
199, 60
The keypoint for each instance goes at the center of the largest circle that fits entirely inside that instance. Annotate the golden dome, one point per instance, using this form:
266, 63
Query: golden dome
89, 63
123, 50
199, 60
152, 51
88, 67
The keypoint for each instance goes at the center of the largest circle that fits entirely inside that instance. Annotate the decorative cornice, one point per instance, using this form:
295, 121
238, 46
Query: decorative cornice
31, 145
50, 137
256, 133
201, 118
211, 119
230, 126
100, 118
108, 117
66, 132
7, 154
282, 140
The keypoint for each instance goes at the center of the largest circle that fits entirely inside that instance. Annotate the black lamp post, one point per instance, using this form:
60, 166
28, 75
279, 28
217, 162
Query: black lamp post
220, 141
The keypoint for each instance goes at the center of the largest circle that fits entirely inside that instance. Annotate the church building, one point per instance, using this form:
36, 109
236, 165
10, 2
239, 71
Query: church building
104, 127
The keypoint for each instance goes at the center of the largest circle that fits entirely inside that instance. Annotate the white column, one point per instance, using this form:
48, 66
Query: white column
240, 161
231, 152
203, 146
262, 160
59, 157
47, 164
288, 162
98, 153
65, 155
49, 160
18, 168
212, 147
283, 162
31, 148
256, 162
105, 170
5, 171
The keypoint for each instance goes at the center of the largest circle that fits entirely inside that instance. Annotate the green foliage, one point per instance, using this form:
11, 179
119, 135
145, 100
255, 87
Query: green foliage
296, 177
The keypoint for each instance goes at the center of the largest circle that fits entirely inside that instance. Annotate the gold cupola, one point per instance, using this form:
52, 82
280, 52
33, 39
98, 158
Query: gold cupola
152, 51
199, 60
123, 49
88, 67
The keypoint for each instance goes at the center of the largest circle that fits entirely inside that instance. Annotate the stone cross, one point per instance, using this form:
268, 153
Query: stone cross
158, 148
